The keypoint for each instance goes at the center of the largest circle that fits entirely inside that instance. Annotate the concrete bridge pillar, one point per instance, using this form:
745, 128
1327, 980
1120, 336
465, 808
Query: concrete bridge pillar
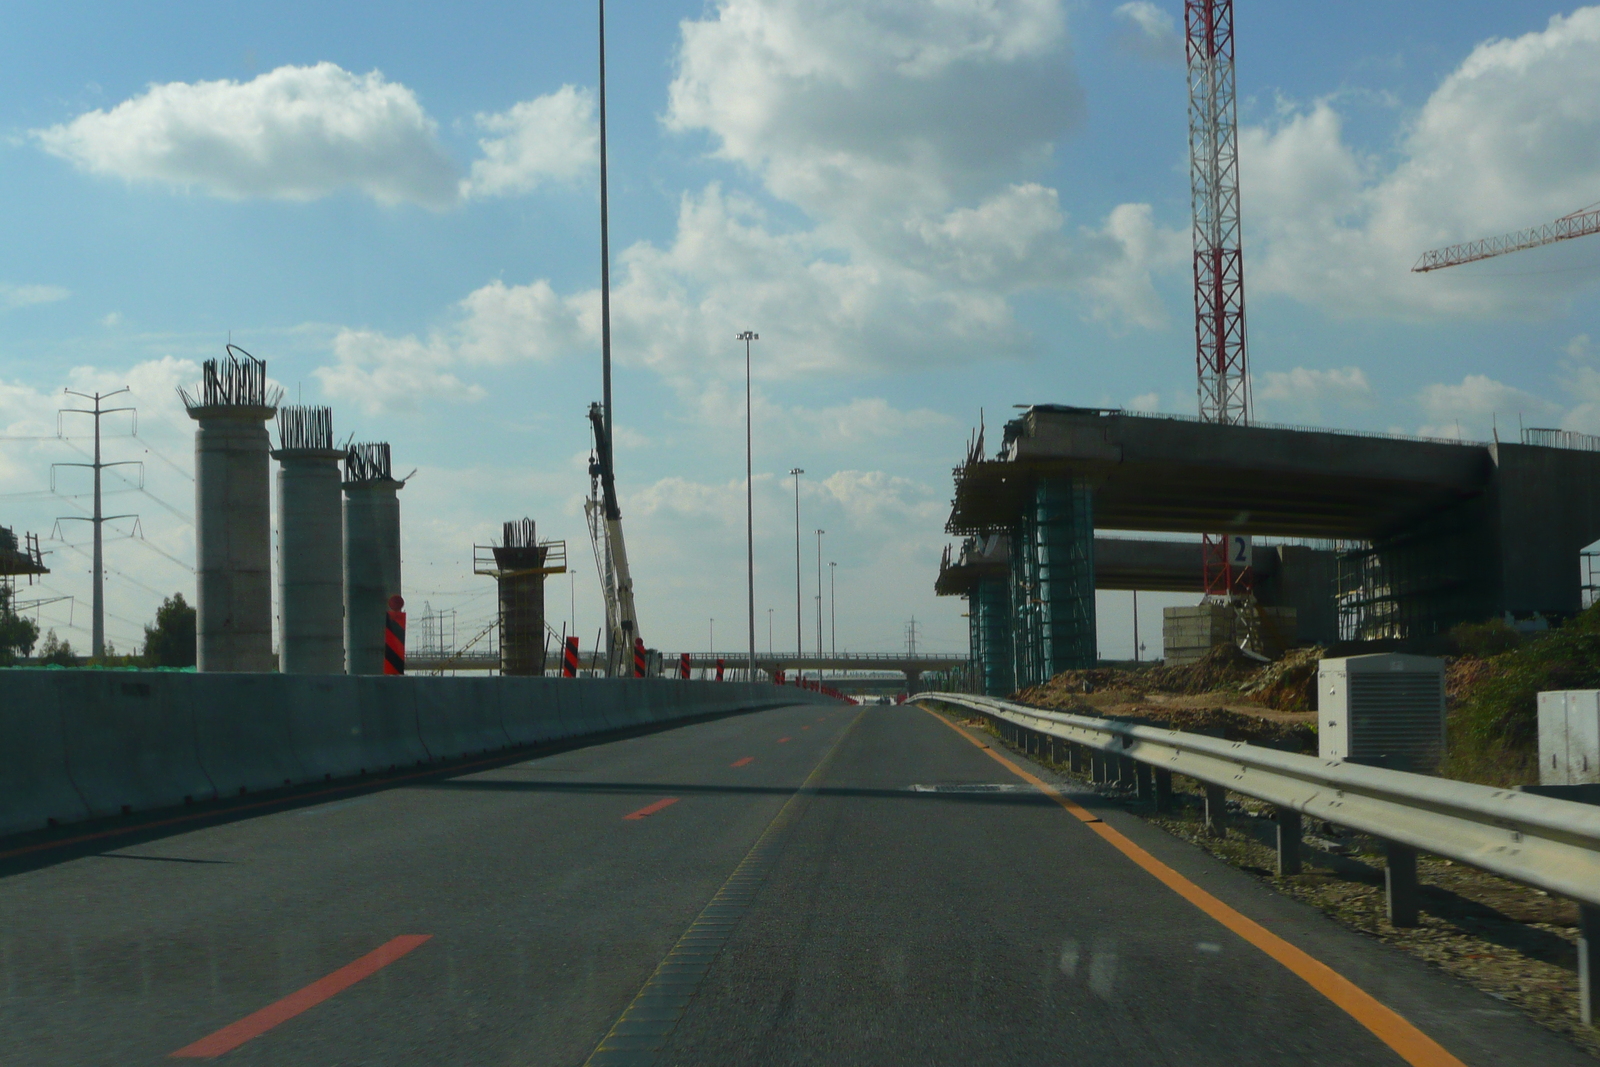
992, 612
913, 682
1052, 566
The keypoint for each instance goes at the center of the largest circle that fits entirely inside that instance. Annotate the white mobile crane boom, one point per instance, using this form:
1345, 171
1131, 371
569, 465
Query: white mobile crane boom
610, 551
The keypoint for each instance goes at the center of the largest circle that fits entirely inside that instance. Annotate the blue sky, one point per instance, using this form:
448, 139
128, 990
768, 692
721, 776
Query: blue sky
923, 208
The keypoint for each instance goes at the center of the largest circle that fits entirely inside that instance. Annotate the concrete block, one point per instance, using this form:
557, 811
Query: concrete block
389, 736
34, 784
130, 739
242, 731
453, 718
324, 713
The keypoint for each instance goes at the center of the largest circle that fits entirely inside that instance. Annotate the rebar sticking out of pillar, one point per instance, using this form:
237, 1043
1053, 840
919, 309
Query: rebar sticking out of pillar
310, 544
371, 553
233, 531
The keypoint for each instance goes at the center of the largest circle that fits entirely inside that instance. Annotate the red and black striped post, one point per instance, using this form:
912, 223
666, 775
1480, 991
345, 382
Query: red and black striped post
638, 657
394, 637
683, 665
569, 658
720, 662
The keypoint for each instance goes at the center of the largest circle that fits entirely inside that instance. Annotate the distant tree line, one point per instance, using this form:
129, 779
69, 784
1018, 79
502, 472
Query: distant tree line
168, 641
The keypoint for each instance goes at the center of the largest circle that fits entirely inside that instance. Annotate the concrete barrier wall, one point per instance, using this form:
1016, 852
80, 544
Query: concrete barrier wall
83, 744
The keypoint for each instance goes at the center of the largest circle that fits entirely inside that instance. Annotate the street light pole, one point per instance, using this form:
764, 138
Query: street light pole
749, 501
819, 598
769, 633
799, 633
833, 610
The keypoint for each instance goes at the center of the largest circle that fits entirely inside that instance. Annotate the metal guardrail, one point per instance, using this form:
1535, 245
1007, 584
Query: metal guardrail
1550, 844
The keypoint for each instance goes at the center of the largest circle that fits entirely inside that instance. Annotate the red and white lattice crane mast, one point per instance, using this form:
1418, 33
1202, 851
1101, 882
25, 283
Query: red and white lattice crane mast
1220, 352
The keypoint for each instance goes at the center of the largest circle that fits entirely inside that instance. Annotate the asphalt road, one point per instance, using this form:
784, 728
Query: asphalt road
881, 914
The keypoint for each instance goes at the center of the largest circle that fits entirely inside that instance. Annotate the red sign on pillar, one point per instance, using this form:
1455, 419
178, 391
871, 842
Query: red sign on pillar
569, 658
720, 662
638, 657
394, 637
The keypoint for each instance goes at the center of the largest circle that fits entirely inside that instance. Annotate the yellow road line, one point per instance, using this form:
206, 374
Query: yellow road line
1388, 1025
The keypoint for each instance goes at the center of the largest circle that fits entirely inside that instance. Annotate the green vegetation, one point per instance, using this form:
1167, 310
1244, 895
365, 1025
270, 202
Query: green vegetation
1494, 723
56, 652
18, 634
170, 641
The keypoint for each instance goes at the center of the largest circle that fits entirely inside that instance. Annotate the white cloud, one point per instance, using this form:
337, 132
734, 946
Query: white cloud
493, 326
844, 107
1145, 402
1306, 392
21, 296
1150, 32
294, 133
381, 373
551, 138
904, 131
1509, 139
1479, 404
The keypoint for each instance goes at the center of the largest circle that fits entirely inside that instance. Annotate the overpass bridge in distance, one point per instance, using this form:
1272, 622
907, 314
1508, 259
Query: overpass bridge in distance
912, 666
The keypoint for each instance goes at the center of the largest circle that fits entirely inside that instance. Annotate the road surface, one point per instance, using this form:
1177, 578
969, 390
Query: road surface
802, 885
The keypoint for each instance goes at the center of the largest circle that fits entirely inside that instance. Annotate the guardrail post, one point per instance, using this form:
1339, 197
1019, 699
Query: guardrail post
1143, 787
1588, 963
1099, 772
1125, 772
1074, 757
1163, 789
1288, 841
1216, 810
1400, 883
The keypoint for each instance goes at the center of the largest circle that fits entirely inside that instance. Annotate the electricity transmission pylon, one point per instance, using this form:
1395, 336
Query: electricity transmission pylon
97, 632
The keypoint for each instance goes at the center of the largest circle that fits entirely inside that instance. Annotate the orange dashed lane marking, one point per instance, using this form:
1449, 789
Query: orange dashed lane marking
781, 740
1386, 1024
651, 809
254, 1025
742, 762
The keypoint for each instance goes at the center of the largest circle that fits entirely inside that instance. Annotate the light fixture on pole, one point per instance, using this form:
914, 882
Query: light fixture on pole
749, 501
799, 633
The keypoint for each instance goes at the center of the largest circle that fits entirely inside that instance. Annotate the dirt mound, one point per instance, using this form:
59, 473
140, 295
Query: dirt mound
1252, 729
1224, 667
1289, 684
